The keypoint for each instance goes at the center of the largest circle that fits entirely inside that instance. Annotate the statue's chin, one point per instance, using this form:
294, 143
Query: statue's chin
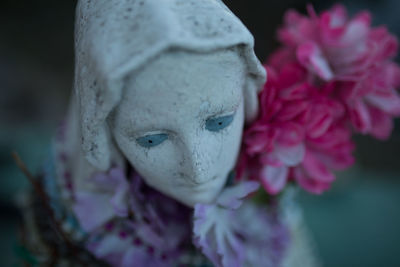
191, 197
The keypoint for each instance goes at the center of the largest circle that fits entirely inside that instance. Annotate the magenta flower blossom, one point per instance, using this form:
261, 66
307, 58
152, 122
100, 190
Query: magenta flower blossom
332, 76
333, 47
294, 116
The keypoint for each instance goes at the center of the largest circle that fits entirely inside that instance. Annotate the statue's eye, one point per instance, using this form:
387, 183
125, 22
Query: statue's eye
219, 123
151, 140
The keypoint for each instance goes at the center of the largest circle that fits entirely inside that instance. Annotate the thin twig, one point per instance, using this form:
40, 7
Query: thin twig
36, 185
43, 196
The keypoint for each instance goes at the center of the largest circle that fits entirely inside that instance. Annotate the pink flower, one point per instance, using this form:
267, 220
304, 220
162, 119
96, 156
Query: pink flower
275, 142
295, 117
332, 46
333, 75
291, 112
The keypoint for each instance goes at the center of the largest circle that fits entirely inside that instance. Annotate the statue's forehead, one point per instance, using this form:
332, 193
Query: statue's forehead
195, 99
186, 79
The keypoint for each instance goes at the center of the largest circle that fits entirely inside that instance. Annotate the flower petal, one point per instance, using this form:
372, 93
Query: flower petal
274, 178
315, 169
311, 57
360, 117
92, 210
382, 124
290, 155
232, 197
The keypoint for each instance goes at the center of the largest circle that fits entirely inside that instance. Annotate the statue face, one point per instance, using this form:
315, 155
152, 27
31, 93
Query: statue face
180, 122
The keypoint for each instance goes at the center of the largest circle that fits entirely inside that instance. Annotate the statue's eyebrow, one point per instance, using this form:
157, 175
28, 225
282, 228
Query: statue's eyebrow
208, 110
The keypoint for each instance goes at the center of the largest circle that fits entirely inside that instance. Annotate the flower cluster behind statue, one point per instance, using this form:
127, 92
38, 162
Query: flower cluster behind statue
332, 77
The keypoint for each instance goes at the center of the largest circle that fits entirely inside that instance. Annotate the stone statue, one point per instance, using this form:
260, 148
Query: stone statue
162, 92
166, 85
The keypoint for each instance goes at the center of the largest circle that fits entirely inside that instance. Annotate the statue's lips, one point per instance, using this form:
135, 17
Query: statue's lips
198, 186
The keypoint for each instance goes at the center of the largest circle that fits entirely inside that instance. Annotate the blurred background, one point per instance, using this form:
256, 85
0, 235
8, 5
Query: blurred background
354, 224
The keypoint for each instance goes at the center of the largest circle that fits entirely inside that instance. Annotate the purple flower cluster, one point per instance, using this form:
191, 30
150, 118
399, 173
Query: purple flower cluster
130, 224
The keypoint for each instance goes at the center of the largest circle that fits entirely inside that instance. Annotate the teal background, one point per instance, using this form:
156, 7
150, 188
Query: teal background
354, 224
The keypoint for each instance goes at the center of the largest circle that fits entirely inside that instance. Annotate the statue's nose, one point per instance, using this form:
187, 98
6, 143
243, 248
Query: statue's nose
198, 168
198, 162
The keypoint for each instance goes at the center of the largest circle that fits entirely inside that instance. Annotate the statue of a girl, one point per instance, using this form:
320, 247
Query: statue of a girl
153, 81
163, 89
